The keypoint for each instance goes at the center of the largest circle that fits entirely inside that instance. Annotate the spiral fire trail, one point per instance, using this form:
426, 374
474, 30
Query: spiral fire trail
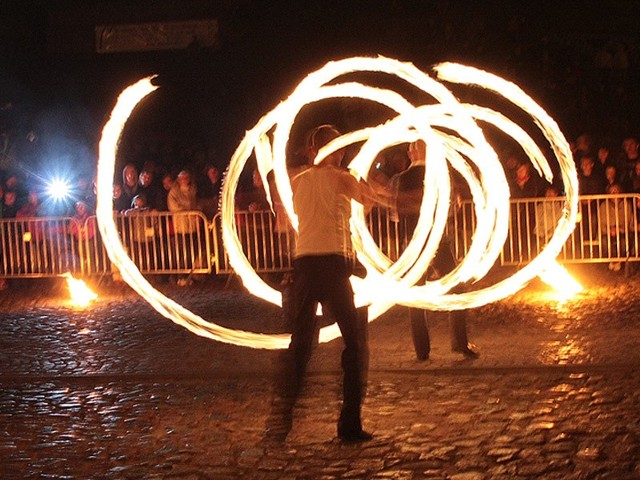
455, 141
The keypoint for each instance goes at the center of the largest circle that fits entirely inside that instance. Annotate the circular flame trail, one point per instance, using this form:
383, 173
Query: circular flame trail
127, 101
455, 141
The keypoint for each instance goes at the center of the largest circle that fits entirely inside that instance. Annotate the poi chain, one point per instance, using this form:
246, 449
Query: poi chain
455, 141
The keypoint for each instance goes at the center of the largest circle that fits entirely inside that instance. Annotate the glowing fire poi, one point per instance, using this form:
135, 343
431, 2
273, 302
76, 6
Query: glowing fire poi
455, 140
81, 294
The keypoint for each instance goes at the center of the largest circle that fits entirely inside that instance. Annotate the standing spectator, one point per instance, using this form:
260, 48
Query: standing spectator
167, 183
130, 185
33, 234
143, 231
610, 176
183, 194
14, 182
548, 213
635, 178
254, 198
32, 207
604, 159
83, 226
628, 158
83, 229
84, 191
183, 198
525, 183
209, 191
10, 204
150, 189
584, 146
589, 183
616, 219
119, 199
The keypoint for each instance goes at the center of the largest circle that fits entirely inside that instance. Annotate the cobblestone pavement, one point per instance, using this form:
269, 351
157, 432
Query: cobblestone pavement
117, 391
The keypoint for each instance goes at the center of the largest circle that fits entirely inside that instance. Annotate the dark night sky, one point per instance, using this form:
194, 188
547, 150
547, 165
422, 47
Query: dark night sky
60, 87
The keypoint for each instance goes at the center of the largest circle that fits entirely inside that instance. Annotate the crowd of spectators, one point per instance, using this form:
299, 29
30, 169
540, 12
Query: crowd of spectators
603, 168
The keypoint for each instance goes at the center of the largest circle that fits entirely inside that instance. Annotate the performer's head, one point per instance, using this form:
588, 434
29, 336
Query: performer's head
417, 151
318, 138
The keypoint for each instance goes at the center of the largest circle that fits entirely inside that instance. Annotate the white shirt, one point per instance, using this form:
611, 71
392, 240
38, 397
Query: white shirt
322, 201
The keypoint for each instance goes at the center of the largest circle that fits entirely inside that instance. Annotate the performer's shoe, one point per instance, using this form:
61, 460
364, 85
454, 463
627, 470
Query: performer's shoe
355, 437
469, 351
423, 357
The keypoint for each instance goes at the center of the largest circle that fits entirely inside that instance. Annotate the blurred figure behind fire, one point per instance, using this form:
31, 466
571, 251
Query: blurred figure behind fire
408, 190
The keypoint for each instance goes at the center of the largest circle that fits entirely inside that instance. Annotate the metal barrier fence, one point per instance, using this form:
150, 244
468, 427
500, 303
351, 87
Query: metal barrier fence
157, 242
188, 243
607, 229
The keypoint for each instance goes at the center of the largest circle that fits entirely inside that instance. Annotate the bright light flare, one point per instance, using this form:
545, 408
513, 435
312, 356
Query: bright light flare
81, 294
558, 278
59, 189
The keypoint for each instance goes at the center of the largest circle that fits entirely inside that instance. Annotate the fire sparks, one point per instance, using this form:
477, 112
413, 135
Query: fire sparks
455, 141
81, 294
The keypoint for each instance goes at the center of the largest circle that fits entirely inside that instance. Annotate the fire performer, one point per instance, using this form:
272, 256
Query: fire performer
323, 263
408, 188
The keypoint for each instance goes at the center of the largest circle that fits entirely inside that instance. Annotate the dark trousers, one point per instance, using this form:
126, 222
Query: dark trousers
324, 279
442, 263
420, 331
